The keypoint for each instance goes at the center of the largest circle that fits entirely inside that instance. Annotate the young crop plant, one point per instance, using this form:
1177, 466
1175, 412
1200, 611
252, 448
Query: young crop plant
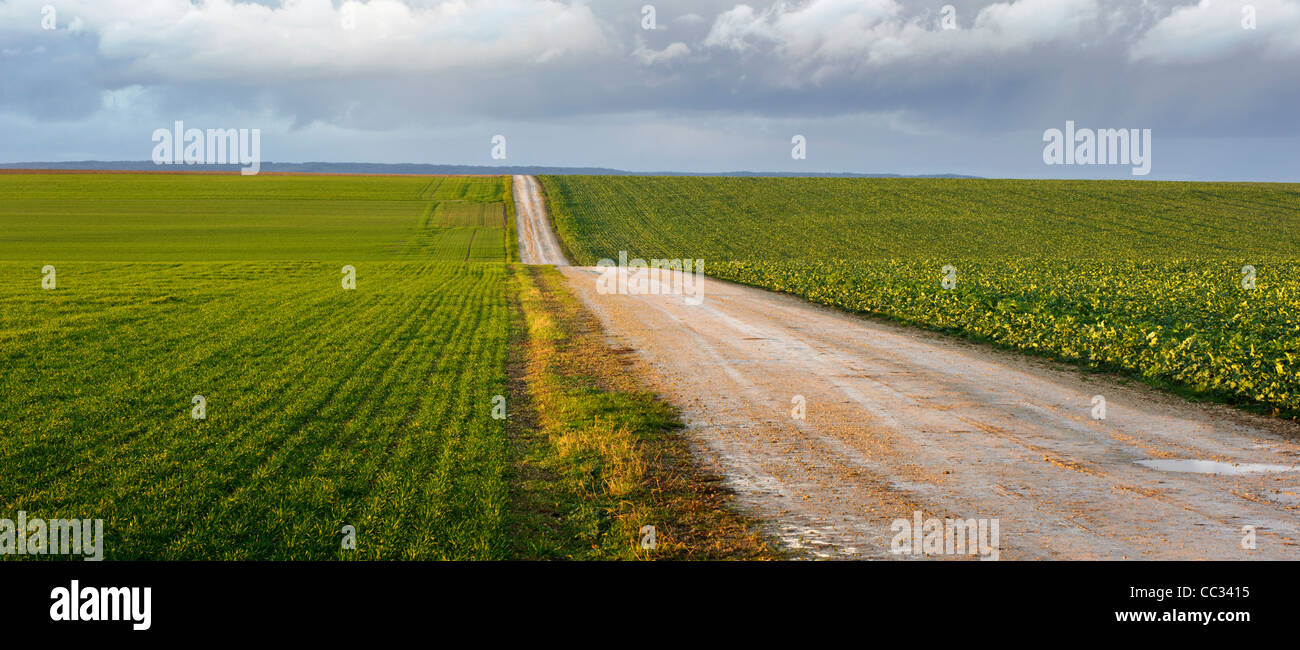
307, 367
339, 338
1194, 287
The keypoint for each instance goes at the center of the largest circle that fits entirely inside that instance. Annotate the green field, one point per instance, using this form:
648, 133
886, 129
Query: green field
326, 407
1139, 278
387, 386
50, 218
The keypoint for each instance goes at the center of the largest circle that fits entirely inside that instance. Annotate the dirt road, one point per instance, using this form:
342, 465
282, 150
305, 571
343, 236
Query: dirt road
537, 242
900, 421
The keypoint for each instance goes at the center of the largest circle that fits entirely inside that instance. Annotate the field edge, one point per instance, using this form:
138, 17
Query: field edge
596, 458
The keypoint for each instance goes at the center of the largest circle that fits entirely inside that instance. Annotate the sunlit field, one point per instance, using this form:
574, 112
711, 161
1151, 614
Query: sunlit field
325, 406
1191, 286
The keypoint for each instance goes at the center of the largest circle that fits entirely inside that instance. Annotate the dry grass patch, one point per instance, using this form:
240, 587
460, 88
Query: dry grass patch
596, 456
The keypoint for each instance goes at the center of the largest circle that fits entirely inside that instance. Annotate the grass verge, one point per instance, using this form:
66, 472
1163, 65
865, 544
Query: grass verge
595, 457
512, 235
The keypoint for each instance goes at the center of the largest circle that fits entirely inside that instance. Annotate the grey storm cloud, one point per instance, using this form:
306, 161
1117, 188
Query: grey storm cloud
884, 75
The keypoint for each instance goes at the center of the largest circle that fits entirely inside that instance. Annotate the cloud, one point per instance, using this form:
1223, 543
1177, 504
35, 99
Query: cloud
305, 39
818, 39
410, 78
862, 34
650, 57
1220, 29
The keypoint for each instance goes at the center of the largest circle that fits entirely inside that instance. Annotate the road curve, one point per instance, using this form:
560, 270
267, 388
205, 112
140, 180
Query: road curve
900, 421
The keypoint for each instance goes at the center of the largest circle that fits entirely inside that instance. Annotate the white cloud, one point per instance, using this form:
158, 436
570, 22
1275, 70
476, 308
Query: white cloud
1019, 25
860, 33
650, 57
816, 39
1216, 30
177, 40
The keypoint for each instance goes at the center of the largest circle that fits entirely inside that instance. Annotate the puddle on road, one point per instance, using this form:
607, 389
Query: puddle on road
1213, 467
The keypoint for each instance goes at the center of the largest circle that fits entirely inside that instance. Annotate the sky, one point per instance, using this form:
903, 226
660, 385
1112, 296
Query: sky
872, 86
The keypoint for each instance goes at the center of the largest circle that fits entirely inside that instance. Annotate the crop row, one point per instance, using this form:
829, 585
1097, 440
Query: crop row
1148, 279
1180, 323
325, 407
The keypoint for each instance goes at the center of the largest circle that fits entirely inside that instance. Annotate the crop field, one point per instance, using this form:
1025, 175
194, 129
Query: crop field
147, 217
325, 407
388, 386
133, 304
1190, 286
